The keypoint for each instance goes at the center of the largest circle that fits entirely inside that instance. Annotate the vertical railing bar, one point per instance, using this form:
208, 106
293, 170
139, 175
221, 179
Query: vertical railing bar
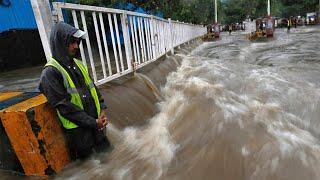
178, 32
156, 38
76, 25
137, 41
59, 13
182, 33
93, 68
161, 37
126, 39
106, 49
167, 36
185, 37
175, 36
143, 38
147, 37
186, 33
152, 38
164, 24
164, 37
118, 40
94, 16
171, 37
182, 37
133, 39
141, 42
113, 42
179, 35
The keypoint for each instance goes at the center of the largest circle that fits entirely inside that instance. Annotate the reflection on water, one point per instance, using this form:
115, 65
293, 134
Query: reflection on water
232, 110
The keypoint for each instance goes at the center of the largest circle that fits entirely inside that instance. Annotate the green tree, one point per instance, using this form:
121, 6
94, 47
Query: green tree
202, 11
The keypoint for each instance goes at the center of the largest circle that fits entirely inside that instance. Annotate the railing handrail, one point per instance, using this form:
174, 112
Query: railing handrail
82, 7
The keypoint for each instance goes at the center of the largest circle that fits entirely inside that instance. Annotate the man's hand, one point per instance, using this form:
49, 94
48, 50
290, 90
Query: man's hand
102, 121
103, 113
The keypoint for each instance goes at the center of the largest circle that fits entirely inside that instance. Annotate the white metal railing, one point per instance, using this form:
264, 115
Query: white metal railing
145, 38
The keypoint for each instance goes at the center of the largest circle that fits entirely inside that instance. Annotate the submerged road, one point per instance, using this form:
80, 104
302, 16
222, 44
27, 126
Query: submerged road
232, 110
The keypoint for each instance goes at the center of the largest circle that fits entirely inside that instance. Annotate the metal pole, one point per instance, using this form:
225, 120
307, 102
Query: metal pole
269, 8
215, 11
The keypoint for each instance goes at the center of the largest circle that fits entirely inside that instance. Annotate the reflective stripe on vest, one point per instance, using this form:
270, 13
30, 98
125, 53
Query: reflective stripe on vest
72, 90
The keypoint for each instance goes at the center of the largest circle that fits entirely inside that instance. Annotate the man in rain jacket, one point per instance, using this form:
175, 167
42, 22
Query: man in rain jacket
66, 83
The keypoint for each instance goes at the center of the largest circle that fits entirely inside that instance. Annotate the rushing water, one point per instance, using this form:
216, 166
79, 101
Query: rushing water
232, 110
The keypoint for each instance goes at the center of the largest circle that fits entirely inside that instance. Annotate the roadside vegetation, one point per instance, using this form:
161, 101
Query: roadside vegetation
202, 11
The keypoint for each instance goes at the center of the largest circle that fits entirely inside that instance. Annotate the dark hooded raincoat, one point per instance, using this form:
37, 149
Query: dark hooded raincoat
86, 137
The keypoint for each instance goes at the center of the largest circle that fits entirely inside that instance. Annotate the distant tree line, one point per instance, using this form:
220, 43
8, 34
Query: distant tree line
237, 10
202, 11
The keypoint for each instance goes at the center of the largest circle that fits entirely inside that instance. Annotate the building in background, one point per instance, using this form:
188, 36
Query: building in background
20, 43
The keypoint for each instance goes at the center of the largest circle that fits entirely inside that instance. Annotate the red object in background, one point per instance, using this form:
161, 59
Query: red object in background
269, 26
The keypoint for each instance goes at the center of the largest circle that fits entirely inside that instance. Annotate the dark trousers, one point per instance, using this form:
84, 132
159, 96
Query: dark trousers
83, 141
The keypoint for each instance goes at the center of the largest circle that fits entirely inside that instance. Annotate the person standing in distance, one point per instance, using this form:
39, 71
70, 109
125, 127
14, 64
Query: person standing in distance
68, 87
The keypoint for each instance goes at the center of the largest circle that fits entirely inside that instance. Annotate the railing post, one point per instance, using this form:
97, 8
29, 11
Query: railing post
42, 14
171, 36
152, 27
57, 11
126, 39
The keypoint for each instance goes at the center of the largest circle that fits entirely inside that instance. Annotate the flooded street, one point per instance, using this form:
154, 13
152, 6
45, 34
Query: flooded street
232, 110
21, 80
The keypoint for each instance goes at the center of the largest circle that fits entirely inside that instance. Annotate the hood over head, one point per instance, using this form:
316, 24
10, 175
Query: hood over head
60, 37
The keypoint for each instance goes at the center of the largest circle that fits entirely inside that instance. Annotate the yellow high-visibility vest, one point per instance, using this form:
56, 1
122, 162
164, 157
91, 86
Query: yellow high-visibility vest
72, 90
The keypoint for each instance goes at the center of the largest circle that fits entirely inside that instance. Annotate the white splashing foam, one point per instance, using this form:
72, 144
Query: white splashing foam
153, 143
245, 151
